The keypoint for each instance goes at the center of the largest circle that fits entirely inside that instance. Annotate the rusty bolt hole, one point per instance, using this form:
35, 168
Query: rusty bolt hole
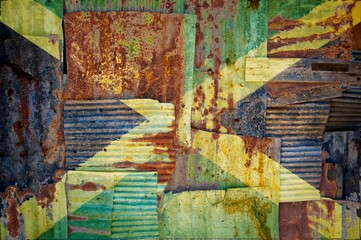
105, 149
100, 110
358, 78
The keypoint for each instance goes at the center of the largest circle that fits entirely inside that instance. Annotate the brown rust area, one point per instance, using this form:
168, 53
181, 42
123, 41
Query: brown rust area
143, 60
356, 37
290, 220
13, 224
340, 41
253, 145
254, 4
328, 187
280, 23
163, 169
334, 67
18, 128
295, 92
88, 186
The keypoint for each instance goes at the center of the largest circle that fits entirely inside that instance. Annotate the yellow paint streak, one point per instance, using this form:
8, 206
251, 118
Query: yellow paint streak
265, 69
125, 148
37, 219
35, 23
351, 224
356, 13
295, 189
301, 45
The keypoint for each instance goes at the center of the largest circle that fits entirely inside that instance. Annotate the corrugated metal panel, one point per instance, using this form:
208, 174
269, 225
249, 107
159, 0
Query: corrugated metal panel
345, 111
300, 127
112, 205
135, 211
90, 126
115, 135
148, 55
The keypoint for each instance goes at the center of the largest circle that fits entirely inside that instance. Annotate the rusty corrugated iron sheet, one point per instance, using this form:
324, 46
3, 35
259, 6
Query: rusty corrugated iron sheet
132, 55
112, 205
300, 127
120, 135
308, 34
345, 111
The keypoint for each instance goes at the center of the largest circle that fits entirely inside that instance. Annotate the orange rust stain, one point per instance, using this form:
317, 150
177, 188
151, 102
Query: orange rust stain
88, 186
279, 23
13, 224
46, 195
356, 33
328, 187
253, 145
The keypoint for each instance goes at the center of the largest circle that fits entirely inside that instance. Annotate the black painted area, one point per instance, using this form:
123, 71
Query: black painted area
248, 116
31, 132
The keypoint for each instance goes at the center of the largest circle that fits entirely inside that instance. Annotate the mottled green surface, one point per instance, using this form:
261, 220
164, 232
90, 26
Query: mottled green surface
234, 213
56, 6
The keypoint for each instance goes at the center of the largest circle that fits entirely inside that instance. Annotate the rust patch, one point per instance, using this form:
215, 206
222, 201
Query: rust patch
290, 220
328, 187
279, 23
88, 186
334, 67
356, 33
13, 224
254, 4
46, 195
253, 145
18, 128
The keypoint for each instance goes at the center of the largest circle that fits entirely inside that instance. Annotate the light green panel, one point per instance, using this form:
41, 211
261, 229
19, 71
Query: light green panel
243, 213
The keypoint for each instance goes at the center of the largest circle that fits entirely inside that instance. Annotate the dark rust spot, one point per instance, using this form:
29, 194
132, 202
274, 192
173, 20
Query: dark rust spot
88, 186
18, 128
254, 4
334, 67
13, 225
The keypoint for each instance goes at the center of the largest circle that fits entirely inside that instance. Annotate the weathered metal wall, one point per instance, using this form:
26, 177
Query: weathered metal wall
262, 83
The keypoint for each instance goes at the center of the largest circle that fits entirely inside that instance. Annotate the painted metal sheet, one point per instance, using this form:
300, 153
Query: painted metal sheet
297, 29
226, 31
112, 205
222, 161
300, 127
38, 24
345, 111
236, 213
302, 70
132, 55
120, 135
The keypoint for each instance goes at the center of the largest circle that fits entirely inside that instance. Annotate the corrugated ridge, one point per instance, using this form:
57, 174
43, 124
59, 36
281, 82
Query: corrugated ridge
300, 127
98, 124
135, 213
345, 111
304, 120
